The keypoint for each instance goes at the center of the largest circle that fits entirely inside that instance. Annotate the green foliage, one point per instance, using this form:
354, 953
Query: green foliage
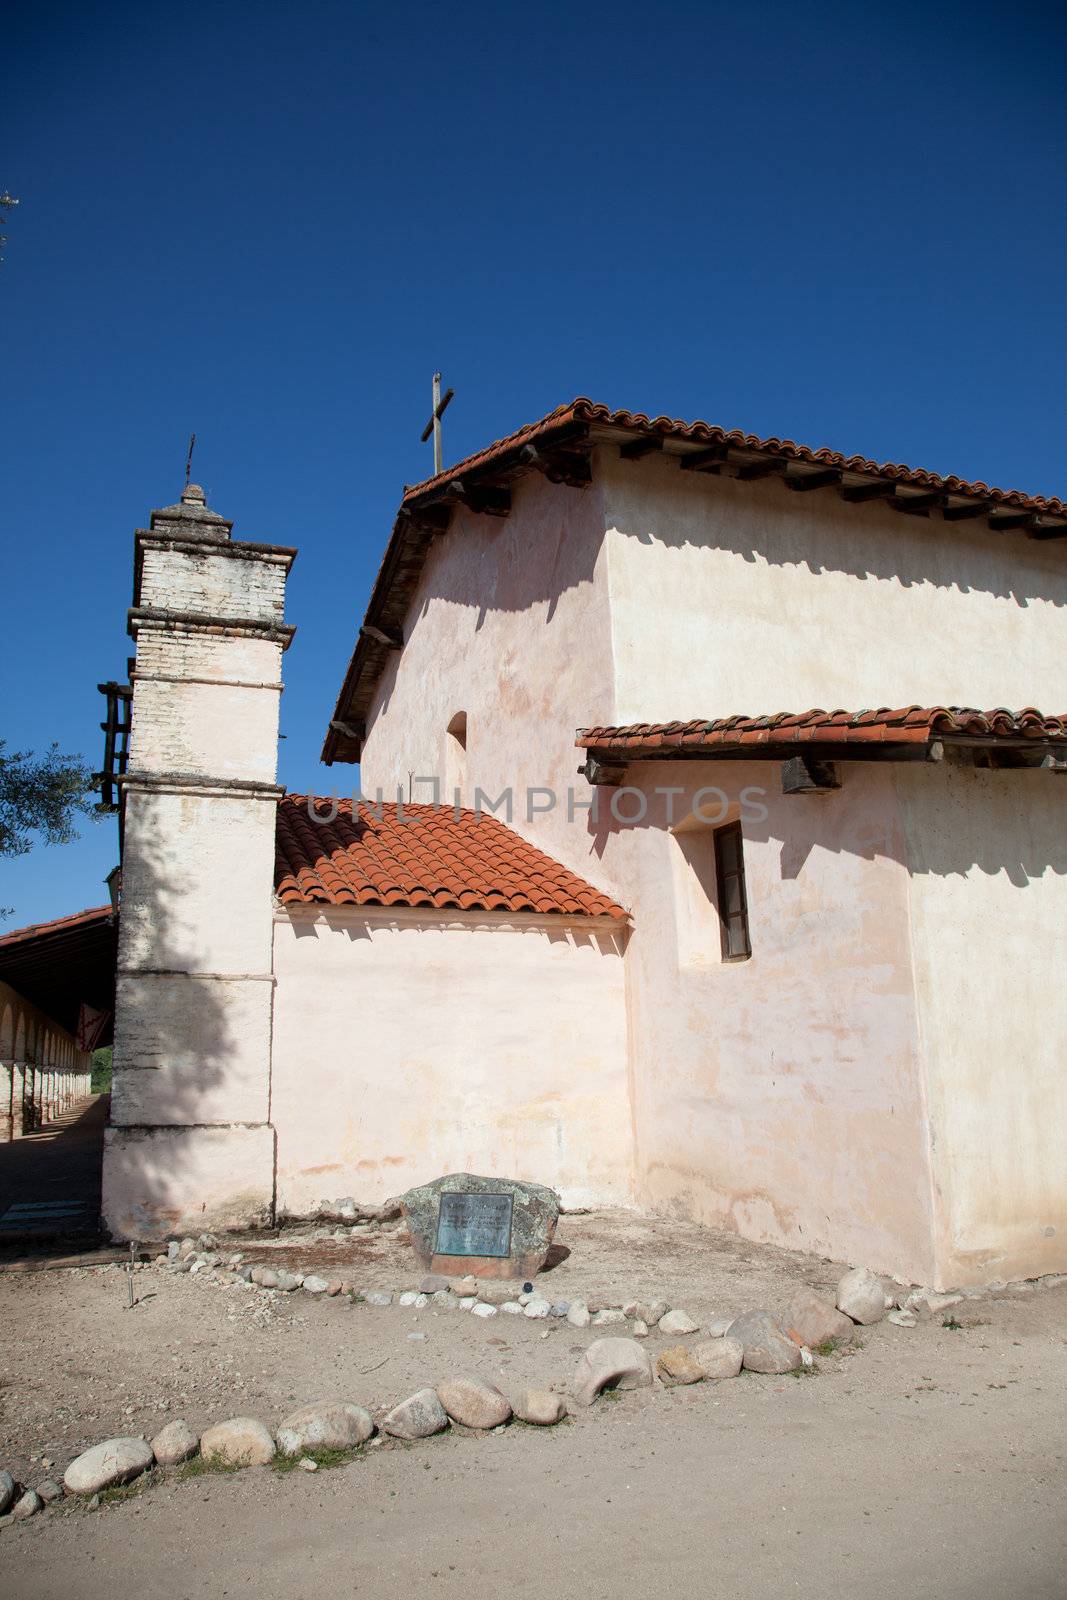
128, 1491
101, 1080
322, 1458
205, 1467
42, 795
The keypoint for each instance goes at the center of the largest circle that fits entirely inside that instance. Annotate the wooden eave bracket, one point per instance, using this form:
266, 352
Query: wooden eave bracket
559, 465
386, 636
724, 458
802, 774
602, 774
485, 499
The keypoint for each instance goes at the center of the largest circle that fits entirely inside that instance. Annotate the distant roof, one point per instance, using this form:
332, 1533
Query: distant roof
786, 730
421, 855
560, 446
59, 965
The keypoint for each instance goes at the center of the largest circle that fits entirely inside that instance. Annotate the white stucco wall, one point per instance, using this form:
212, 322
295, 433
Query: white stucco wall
510, 624
782, 1096
407, 1047
988, 906
733, 598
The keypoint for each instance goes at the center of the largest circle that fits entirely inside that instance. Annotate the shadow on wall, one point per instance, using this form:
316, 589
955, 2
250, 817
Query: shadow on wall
822, 533
491, 565
354, 924
176, 1039
944, 819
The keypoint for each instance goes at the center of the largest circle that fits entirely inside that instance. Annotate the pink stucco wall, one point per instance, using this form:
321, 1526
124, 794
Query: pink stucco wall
987, 909
779, 1095
408, 1045
787, 1096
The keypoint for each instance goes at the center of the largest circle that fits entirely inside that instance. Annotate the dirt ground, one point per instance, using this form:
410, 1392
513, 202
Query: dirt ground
930, 1460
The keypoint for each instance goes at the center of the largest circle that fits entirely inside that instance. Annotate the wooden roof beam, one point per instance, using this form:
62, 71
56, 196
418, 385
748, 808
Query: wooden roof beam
1005, 521
643, 445
707, 460
570, 467
918, 505
386, 636
869, 489
761, 467
821, 478
484, 499
432, 518
966, 511
349, 730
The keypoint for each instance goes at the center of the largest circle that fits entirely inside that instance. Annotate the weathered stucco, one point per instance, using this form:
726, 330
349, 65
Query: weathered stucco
190, 1141
797, 1096
407, 1045
735, 598
511, 626
988, 904
779, 1095
160, 1181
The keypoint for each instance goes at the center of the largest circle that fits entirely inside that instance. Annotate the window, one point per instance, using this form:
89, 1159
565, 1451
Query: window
732, 898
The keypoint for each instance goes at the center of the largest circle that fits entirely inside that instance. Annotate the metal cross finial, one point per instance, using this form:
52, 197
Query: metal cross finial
434, 424
189, 457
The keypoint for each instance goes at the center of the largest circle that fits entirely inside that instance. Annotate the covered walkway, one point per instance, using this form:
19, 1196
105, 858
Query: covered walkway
50, 1179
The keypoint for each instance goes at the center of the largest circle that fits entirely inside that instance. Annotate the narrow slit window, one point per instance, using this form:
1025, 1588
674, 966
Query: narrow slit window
732, 896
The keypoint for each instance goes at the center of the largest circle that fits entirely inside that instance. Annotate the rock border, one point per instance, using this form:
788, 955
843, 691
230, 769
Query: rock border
329, 1432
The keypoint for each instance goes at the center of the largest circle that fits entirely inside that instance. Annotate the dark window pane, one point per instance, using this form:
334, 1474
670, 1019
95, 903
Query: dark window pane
731, 893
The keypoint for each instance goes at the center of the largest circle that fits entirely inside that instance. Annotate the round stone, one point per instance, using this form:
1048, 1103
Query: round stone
473, 1403
418, 1417
540, 1407
238, 1442
106, 1465
327, 1425
175, 1443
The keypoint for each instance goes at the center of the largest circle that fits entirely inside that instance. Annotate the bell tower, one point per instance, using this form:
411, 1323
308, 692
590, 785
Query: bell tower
190, 1145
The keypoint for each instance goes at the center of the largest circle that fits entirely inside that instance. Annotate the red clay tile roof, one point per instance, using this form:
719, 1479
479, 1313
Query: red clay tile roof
76, 919
59, 965
908, 725
427, 859
582, 424
588, 413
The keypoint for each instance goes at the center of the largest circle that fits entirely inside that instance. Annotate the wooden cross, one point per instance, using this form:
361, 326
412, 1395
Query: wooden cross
434, 424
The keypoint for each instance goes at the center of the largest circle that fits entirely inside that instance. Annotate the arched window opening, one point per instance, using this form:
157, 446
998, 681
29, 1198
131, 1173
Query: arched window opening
455, 767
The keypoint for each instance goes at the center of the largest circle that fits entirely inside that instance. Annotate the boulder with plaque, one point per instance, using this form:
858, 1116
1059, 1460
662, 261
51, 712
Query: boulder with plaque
487, 1227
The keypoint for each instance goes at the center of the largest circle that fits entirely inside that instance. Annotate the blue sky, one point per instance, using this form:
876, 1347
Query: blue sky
269, 223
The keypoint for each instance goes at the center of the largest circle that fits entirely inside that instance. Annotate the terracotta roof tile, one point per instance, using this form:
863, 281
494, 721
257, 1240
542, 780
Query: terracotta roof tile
585, 411
420, 856
583, 423
905, 725
97, 915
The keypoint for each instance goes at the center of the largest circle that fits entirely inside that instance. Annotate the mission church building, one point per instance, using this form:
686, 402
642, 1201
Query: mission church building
685, 945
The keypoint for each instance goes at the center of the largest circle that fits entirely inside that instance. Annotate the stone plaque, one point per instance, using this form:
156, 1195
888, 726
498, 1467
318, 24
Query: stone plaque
491, 1227
474, 1224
